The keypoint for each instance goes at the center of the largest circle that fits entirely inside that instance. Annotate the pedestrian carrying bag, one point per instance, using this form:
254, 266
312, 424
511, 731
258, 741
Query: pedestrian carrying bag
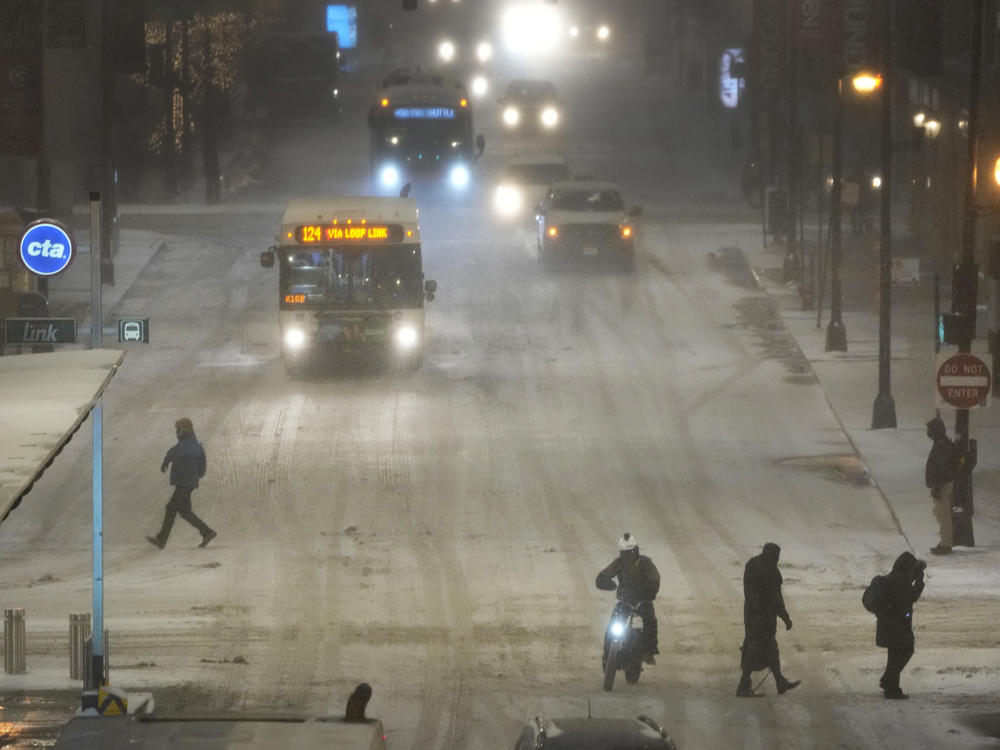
874, 597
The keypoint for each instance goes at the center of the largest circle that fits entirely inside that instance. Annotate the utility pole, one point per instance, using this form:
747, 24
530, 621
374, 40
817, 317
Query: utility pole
884, 410
965, 288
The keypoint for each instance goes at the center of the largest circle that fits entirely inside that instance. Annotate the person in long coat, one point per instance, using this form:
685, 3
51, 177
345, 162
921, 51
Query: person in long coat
894, 626
763, 604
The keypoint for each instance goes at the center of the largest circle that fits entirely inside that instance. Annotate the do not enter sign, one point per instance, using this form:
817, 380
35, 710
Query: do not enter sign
963, 381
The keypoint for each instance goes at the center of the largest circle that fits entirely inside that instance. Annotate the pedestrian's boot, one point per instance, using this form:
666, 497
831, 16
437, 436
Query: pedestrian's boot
745, 688
940, 549
894, 694
207, 538
155, 541
784, 685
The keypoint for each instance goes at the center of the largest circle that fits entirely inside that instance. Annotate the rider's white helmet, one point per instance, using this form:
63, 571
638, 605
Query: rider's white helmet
627, 542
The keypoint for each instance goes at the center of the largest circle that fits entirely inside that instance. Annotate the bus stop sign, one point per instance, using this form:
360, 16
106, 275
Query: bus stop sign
963, 381
47, 247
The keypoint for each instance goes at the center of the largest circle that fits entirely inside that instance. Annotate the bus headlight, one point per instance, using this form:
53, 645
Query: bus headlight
480, 86
507, 200
511, 117
388, 175
459, 176
295, 338
550, 117
406, 337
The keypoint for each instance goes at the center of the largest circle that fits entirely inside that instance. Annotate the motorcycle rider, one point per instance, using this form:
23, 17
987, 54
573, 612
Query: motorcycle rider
638, 584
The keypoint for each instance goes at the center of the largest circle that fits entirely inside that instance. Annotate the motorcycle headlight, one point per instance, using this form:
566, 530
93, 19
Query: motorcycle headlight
295, 338
511, 117
406, 337
617, 629
550, 117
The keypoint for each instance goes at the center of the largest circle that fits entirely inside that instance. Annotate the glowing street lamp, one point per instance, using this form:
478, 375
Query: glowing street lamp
866, 83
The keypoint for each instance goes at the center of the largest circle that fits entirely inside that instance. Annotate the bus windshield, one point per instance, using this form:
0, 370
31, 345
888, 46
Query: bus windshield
350, 278
438, 136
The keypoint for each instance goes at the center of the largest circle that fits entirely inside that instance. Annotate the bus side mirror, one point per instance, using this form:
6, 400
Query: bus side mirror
480, 145
267, 258
430, 286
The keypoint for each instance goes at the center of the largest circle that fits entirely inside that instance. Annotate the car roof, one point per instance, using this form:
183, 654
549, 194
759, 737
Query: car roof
603, 733
541, 158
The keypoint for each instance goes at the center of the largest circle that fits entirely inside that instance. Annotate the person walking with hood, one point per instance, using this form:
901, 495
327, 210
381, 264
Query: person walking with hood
939, 475
187, 463
894, 625
763, 604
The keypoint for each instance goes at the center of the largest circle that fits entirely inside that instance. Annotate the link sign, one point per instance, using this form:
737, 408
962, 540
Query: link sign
963, 381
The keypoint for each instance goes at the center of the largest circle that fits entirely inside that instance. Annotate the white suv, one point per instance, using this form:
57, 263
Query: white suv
583, 217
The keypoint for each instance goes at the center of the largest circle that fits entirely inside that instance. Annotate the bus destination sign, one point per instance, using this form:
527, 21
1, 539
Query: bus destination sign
328, 234
424, 113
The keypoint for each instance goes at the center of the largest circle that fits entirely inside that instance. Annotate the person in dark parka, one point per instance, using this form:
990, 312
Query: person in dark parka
187, 463
939, 476
763, 604
894, 626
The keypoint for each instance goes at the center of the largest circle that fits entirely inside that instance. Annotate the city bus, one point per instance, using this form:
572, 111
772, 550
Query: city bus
421, 125
351, 282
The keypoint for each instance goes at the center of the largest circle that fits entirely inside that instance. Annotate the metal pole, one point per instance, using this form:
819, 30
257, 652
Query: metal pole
966, 284
836, 334
884, 410
79, 632
14, 641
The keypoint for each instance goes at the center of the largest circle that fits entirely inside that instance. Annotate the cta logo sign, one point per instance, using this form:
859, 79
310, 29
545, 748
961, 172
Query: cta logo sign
47, 247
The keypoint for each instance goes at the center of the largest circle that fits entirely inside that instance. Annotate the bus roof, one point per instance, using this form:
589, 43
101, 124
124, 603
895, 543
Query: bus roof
418, 93
371, 208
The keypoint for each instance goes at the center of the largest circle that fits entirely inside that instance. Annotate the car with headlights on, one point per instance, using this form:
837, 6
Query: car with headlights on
582, 218
640, 733
522, 184
531, 106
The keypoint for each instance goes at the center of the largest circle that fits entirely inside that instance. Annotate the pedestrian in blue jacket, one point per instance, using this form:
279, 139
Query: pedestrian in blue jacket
187, 464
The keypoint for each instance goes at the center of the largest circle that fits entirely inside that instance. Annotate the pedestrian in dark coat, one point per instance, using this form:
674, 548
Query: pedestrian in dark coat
894, 626
939, 476
763, 604
187, 463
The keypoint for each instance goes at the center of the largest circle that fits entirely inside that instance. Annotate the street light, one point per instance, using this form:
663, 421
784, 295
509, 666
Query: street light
863, 82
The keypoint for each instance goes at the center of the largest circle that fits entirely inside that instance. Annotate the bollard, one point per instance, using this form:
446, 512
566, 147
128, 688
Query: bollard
79, 632
13, 641
90, 681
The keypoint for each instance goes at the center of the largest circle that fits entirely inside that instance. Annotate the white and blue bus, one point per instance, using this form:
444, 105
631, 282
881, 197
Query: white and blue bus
350, 282
420, 125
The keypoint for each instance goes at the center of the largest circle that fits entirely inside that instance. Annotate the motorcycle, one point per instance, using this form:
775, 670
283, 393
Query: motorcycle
623, 644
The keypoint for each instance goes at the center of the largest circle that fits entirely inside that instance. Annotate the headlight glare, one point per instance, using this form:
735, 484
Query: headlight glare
459, 176
617, 628
550, 117
511, 116
406, 337
388, 175
295, 338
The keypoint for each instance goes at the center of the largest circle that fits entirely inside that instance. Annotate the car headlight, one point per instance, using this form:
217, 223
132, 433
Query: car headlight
574, 31
295, 338
617, 628
507, 200
406, 337
480, 86
511, 116
388, 175
484, 51
603, 32
459, 176
550, 117
446, 50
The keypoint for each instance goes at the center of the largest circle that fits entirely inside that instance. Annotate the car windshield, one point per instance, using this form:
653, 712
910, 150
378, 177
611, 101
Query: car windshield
587, 200
535, 174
